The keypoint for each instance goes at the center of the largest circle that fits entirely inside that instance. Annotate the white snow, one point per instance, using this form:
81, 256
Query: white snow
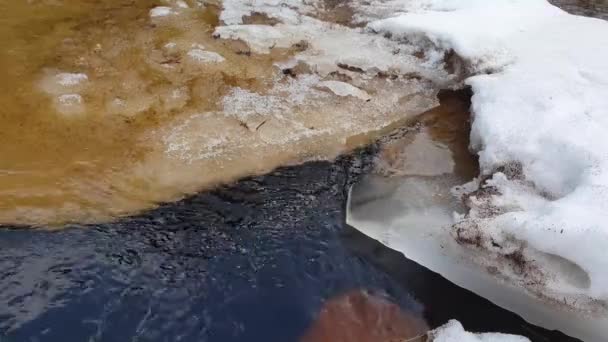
161, 11
262, 38
454, 332
170, 46
70, 104
70, 99
344, 89
336, 81
64, 89
543, 106
540, 112
286, 11
181, 4
58, 82
329, 46
325, 46
203, 56
71, 79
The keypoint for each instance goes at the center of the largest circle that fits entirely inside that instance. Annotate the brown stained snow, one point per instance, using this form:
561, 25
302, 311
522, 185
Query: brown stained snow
106, 111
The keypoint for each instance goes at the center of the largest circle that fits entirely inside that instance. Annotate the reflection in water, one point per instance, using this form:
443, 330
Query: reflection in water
436, 145
414, 173
406, 202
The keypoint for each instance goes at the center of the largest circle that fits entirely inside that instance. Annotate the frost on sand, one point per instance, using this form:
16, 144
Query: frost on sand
536, 218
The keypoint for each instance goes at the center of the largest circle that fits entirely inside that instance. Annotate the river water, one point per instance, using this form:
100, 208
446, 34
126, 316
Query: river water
258, 260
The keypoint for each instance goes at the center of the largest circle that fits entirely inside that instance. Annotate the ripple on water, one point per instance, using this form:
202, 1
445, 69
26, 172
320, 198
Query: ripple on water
251, 262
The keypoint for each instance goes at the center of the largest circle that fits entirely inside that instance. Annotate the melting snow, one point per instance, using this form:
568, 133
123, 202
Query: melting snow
344, 89
454, 332
205, 56
70, 79
161, 11
69, 104
537, 217
57, 82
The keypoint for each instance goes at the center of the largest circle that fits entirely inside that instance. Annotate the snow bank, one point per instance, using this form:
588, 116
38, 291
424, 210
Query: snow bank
540, 79
536, 217
454, 332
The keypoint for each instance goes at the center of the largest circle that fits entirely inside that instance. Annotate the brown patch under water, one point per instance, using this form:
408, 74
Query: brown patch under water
361, 317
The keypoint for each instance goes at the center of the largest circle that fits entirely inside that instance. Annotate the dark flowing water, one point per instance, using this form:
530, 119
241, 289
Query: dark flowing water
250, 262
